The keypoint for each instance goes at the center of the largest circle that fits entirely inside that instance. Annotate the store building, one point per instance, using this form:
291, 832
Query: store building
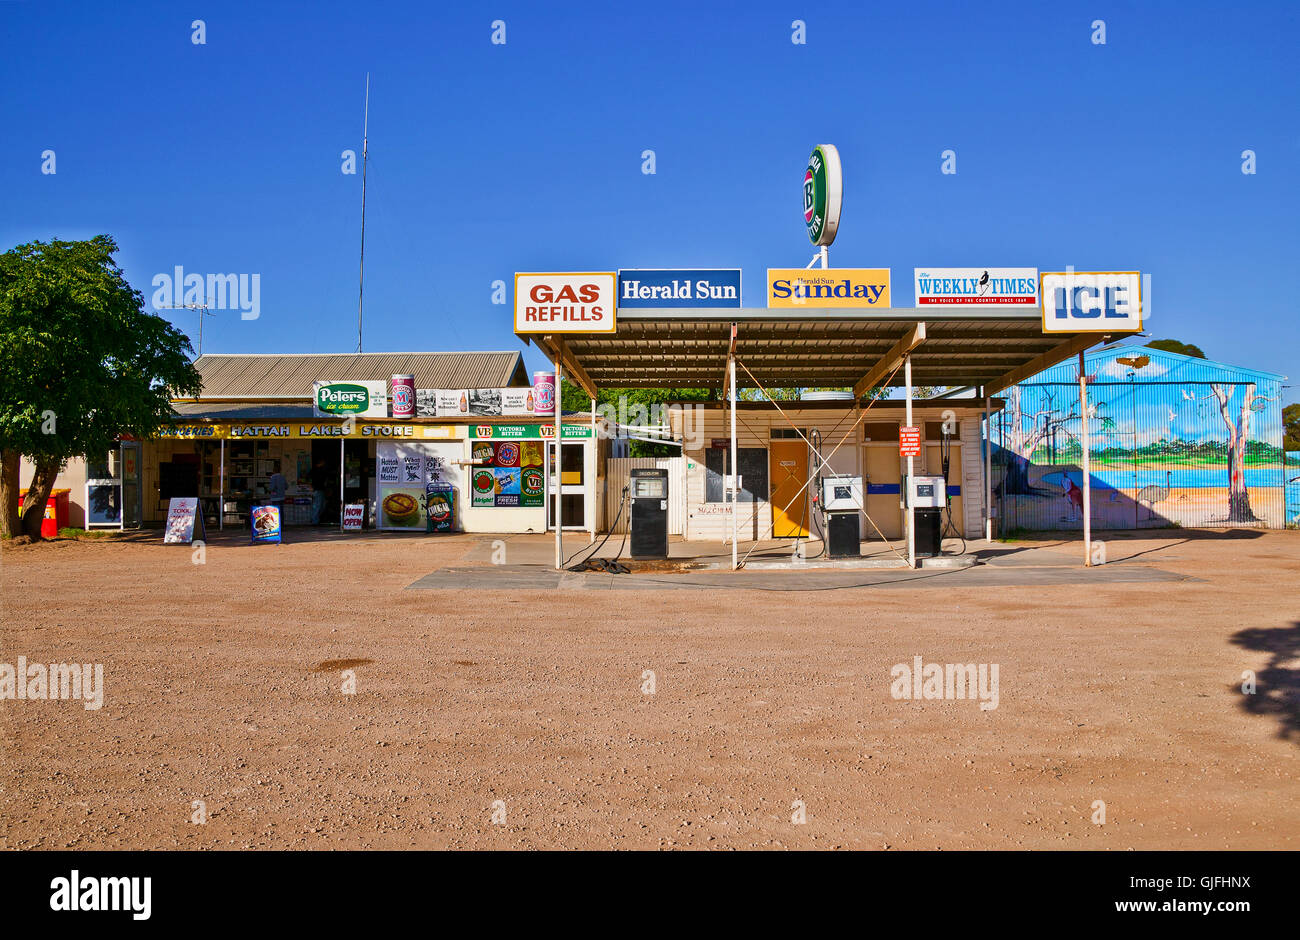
477, 428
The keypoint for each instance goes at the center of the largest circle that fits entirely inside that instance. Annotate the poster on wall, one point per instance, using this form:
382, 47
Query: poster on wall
402, 508
507, 474
482, 402
407, 473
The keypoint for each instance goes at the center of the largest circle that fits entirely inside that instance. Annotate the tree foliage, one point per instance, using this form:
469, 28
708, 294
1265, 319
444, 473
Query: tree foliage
81, 364
626, 400
1291, 419
1175, 346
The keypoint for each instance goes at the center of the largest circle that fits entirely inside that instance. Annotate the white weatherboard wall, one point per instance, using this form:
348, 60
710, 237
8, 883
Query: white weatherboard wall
699, 426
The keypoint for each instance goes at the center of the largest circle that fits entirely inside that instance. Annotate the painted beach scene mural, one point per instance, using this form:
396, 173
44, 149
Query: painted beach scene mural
1174, 440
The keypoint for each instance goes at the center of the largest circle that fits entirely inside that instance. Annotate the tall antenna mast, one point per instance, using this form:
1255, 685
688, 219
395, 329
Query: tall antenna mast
361, 280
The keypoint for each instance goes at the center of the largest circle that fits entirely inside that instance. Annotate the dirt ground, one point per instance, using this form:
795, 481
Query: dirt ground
224, 702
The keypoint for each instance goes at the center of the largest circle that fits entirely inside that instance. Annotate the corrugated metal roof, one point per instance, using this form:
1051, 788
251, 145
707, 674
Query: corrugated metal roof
291, 376
1145, 364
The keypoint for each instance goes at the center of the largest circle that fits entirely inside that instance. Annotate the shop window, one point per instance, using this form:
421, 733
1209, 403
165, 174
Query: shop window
753, 474
880, 431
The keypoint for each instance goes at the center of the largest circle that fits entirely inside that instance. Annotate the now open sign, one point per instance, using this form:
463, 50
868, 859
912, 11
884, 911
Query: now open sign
1091, 301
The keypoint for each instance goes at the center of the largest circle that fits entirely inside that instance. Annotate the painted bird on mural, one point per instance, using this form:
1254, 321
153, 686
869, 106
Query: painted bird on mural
1137, 362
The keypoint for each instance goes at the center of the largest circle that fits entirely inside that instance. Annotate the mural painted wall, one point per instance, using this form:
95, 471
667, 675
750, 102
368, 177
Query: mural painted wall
1173, 441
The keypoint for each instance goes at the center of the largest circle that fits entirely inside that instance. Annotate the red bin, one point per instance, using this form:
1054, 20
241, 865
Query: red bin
56, 512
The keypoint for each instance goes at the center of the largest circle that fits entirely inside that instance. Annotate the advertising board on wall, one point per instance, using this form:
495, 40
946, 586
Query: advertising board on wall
964, 287
470, 402
573, 302
1091, 301
828, 287
362, 399
690, 287
406, 474
507, 473
527, 431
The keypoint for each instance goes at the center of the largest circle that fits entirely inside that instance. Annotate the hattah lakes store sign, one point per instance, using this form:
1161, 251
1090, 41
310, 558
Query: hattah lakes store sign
298, 430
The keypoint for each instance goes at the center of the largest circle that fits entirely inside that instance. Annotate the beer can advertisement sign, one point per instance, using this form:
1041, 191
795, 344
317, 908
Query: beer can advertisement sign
439, 506
508, 474
544, 393
403, 396
484, 488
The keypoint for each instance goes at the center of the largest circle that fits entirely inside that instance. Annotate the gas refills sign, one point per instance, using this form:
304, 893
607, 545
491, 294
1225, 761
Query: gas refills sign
581, 302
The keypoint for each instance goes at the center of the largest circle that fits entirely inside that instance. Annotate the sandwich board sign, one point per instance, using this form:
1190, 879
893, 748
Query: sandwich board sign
184, 521
353, 514
265, 521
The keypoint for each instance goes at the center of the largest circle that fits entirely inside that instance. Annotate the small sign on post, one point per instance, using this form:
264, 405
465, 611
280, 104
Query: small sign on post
909, 442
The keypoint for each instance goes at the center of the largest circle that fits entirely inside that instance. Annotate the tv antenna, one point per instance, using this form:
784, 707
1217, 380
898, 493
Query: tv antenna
361, 277
203, 312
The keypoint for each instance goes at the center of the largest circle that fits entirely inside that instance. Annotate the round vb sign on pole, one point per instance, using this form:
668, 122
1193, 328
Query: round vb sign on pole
823, 194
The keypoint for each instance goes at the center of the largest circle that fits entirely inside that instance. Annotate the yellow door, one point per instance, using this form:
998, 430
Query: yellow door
788, 469
934, 466
882, 491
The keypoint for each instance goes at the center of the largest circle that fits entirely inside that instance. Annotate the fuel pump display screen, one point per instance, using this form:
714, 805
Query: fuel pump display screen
925, 490
650, 487
843, 492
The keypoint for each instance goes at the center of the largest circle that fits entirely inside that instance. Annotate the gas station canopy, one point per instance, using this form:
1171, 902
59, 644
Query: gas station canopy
995, 347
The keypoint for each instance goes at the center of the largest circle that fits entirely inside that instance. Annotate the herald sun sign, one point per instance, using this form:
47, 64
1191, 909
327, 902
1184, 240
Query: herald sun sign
573, 302
1091, 301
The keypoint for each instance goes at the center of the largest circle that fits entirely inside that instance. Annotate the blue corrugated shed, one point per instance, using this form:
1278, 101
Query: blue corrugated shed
1173, 440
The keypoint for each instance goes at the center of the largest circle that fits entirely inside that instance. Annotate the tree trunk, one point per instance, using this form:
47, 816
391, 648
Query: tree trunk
10, 521
1239, 508
38, 494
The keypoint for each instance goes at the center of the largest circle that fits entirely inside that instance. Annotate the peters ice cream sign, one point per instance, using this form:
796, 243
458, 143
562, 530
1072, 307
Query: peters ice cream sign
573, 302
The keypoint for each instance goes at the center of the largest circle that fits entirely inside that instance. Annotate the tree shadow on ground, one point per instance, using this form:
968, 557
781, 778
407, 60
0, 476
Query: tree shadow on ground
1277, 685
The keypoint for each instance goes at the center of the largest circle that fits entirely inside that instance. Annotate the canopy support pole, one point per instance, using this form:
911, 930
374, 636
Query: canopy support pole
1087, 469
590, 497
735, 475
559, 452
988, 466
911, 468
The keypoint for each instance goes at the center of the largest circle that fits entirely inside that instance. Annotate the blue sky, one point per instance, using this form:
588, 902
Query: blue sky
490, 159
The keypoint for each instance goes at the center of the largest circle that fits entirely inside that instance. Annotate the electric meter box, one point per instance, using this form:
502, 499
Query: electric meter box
841, 493
926, 492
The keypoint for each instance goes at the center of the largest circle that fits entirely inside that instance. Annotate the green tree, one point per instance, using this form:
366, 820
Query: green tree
1174, 346
1291, 420
81, 363
575, 399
